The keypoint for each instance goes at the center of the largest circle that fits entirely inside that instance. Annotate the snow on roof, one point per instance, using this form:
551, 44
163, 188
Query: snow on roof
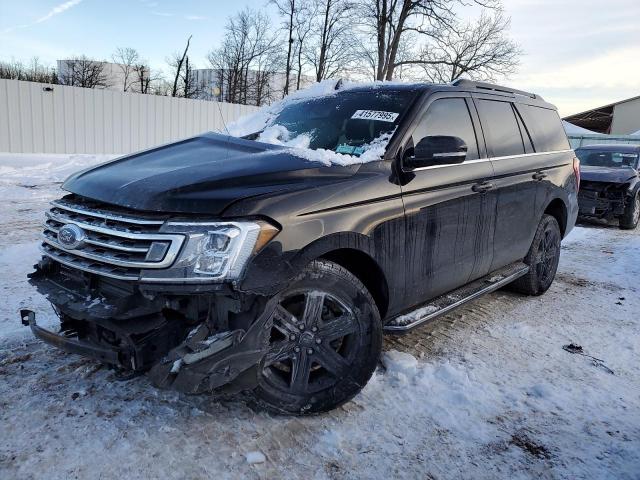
635, 133
570, 129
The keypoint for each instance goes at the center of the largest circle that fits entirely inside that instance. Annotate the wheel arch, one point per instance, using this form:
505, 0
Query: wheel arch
362, 265
557, 208
355, 252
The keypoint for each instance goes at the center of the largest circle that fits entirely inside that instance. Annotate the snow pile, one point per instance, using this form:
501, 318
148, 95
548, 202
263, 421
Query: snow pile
35, 169
372, 151
279, 135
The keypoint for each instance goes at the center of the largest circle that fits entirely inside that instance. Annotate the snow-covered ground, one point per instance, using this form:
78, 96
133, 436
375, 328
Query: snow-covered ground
486, 392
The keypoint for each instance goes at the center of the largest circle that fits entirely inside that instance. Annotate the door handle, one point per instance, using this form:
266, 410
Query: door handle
482, 187
539, 176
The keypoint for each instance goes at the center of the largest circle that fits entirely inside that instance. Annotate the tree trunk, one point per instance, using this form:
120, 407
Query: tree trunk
174, 91
382, 34
290, 46
320, 71
395, 41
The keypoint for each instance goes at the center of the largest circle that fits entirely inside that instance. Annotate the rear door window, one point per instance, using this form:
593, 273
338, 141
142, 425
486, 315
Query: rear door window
451, 117
545, 128
501, 129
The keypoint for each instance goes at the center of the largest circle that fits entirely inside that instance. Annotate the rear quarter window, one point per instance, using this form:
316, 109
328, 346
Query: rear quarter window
545, 127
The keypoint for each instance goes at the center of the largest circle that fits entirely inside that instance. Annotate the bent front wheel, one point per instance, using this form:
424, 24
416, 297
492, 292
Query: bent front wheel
324, 344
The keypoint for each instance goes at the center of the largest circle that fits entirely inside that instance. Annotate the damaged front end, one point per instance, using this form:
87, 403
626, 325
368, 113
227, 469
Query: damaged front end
603, 200
192, 342
152, 294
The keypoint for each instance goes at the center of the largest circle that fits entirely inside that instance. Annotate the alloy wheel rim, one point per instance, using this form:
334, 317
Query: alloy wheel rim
636, 213
547, 258
312, 342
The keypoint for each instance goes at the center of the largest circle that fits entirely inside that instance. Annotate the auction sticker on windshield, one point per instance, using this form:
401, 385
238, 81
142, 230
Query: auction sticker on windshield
376, 115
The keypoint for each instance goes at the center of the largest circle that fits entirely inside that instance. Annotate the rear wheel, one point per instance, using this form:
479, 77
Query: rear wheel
543, 258
324, 345
631, 215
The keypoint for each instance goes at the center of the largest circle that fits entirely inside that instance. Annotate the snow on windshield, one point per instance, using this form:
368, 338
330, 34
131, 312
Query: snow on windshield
261, 122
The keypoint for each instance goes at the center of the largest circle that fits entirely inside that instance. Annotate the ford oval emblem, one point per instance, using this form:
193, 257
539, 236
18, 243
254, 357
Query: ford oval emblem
71, 236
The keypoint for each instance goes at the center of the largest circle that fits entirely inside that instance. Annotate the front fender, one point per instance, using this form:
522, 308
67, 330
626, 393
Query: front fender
272, 269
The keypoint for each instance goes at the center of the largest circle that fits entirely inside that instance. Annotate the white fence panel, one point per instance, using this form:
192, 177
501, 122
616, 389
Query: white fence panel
41, 118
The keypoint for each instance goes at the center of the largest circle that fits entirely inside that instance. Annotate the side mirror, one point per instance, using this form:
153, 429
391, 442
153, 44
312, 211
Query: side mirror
437, 150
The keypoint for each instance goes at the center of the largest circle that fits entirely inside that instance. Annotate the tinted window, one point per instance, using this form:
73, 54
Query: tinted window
545, 128
500, 128
449, 116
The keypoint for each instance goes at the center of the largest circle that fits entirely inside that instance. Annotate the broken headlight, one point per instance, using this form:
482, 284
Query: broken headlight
215, 251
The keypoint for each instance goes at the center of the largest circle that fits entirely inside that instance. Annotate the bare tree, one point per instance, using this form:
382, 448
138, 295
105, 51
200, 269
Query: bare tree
247, 60
331, 46
480, 51
305, 20
126, 59
143, 78
290, 11
34, 71
190, 86
177, 62
83, 72
390, 21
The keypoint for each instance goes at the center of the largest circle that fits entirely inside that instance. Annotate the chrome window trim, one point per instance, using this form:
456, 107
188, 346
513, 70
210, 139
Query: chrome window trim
489, 159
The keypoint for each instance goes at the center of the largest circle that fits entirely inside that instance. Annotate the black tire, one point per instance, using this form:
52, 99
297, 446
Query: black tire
631, 216
542, 258
337, 341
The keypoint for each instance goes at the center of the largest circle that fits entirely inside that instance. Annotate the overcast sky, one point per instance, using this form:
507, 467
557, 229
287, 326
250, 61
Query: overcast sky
579, 54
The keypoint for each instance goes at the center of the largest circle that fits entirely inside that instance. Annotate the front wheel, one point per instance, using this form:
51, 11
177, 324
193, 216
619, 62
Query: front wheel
324, 345
631, 215
542, 258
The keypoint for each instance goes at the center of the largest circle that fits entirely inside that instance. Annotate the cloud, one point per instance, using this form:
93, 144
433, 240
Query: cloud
195, 17
162, 14
57, 10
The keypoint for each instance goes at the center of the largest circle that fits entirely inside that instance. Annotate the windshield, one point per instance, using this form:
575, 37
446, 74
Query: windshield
606, 158
343, 123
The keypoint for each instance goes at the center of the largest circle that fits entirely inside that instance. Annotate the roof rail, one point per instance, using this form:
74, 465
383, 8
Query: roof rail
463, 82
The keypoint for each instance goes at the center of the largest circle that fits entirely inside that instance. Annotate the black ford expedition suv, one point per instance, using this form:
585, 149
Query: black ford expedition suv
219, 263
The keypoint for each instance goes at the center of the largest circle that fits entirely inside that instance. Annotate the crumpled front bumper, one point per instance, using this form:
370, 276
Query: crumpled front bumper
107, 355
600, 205
156, 333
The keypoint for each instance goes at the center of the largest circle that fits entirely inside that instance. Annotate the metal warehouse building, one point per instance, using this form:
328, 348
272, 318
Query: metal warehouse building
619, 118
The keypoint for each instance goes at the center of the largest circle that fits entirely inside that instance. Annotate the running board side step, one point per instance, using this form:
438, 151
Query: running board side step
456, 298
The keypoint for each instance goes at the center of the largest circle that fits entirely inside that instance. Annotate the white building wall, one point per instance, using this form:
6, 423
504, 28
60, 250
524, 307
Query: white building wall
113, 72
42, 118
626, 117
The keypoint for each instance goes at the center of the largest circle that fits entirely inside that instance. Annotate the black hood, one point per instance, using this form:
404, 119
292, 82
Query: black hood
607, 174
204, 174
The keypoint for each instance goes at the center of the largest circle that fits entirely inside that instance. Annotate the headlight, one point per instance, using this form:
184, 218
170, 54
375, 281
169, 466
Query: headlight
214, 251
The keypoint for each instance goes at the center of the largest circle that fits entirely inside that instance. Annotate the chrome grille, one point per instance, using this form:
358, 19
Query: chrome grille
117, 244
